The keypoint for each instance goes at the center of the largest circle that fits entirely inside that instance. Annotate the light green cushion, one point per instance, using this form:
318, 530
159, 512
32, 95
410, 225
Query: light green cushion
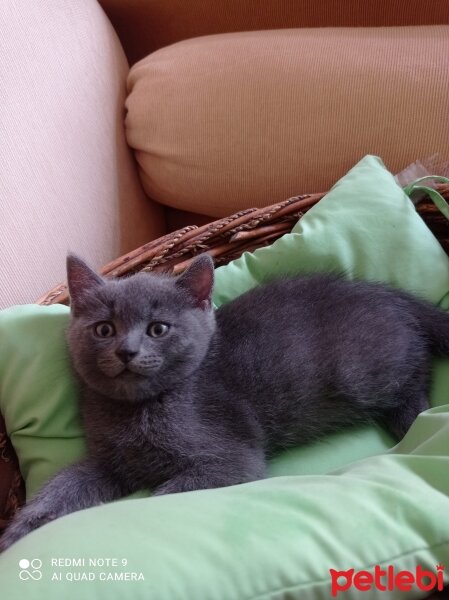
276, 538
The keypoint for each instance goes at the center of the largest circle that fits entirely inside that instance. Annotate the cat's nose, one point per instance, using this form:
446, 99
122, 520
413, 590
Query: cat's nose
125, 354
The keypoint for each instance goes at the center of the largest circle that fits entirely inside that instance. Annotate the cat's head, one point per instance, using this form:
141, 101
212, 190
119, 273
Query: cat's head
133, 338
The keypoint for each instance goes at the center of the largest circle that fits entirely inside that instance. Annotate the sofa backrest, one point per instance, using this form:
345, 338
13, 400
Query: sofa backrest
147, 25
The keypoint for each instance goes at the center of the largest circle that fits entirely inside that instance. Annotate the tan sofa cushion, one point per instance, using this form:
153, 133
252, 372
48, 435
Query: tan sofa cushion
224, 122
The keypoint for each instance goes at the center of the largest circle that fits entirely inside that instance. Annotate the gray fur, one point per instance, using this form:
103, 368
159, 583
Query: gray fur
205, 404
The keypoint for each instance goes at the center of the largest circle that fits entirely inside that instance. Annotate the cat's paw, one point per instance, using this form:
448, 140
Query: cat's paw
25, 522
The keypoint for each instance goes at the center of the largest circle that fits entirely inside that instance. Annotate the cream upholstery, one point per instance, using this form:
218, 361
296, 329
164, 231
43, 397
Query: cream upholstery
67, 178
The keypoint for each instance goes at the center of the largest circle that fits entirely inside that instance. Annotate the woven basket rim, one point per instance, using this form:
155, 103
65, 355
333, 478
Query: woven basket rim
227, 238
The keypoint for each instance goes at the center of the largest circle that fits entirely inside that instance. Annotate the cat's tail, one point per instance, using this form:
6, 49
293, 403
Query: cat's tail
434, 323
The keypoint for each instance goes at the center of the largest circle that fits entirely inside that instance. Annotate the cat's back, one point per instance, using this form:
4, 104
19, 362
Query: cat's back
315, 350
310, 327
319, 297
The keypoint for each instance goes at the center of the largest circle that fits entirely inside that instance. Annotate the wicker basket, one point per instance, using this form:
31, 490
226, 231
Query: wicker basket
12, 488
226, 239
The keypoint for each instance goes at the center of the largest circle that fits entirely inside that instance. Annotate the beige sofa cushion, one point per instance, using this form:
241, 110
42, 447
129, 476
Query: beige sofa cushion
67, 177
224, 122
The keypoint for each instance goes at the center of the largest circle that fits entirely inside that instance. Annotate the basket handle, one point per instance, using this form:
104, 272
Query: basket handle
435, 196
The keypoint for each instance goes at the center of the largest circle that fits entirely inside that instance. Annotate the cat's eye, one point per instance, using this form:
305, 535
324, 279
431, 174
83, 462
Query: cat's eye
104, 329
157, 329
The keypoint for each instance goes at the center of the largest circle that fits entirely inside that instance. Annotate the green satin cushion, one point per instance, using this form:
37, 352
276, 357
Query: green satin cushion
349, 501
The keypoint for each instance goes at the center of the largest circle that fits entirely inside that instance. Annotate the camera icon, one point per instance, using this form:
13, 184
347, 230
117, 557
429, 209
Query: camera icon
30, 569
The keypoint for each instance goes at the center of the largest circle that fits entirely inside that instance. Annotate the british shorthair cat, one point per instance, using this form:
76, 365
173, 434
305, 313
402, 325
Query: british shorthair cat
176, 396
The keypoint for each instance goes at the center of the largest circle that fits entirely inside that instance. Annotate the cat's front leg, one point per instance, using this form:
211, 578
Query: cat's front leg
30, 517
205, 474
79, 486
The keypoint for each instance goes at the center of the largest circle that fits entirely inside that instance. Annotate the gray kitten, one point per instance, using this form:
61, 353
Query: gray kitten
178, 397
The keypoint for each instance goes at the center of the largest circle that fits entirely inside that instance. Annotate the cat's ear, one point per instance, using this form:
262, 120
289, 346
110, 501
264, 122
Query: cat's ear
198, 280
81, 280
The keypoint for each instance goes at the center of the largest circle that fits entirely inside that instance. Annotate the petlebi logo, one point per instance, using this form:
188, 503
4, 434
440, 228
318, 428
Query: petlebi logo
387, 579
30, 569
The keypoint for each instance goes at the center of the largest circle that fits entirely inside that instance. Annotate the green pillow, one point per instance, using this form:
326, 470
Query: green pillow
348, 502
